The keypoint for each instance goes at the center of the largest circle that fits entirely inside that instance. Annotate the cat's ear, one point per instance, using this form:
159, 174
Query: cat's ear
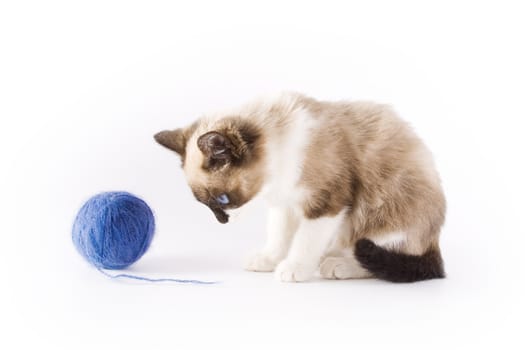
215, 145
174, 140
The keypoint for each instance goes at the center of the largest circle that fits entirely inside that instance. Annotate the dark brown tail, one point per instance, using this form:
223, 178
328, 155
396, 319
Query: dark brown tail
398, 267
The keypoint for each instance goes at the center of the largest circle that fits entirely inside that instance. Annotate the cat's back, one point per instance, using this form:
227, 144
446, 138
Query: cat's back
373, 132
381, 147
365, 122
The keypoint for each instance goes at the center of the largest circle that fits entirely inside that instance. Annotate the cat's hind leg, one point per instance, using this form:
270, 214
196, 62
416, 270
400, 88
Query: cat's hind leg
342, 263
339, 261
309, 243
342, 266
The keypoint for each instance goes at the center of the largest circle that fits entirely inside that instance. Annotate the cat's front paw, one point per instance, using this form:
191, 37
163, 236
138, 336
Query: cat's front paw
260, 262
291, 271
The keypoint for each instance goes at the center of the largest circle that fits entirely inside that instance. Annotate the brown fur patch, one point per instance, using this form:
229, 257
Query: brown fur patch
367, 160
240, 175
177, 139
237, 140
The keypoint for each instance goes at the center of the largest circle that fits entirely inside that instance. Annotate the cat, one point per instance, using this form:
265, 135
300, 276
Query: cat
352, 191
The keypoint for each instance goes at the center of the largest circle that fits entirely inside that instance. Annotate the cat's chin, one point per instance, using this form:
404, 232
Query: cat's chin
233, 214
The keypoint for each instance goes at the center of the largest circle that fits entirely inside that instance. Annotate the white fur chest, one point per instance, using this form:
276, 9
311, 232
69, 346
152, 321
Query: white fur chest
286, 155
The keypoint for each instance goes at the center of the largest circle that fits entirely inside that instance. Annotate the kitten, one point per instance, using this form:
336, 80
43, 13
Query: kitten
352, 191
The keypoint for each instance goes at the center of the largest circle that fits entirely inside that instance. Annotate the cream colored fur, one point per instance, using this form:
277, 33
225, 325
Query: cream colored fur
331, 173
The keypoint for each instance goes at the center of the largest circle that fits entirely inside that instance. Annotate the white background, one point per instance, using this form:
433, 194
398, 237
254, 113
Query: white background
85, 85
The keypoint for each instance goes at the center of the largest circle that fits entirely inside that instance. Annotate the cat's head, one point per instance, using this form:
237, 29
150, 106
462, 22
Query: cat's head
222, 161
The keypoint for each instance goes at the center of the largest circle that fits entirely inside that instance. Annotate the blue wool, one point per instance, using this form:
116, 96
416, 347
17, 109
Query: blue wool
113, 230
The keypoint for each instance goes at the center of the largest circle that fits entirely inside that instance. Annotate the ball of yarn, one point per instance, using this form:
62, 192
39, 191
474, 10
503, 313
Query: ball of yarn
113, 230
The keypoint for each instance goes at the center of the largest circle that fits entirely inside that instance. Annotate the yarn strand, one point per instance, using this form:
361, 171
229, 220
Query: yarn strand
146, 279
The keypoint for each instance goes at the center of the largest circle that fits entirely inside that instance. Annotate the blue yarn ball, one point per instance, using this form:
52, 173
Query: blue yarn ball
112, 230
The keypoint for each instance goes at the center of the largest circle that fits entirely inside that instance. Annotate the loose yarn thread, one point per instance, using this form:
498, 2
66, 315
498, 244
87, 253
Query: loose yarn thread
155, 280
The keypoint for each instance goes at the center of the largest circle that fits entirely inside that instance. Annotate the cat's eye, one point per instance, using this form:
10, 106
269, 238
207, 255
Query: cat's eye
223, 199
